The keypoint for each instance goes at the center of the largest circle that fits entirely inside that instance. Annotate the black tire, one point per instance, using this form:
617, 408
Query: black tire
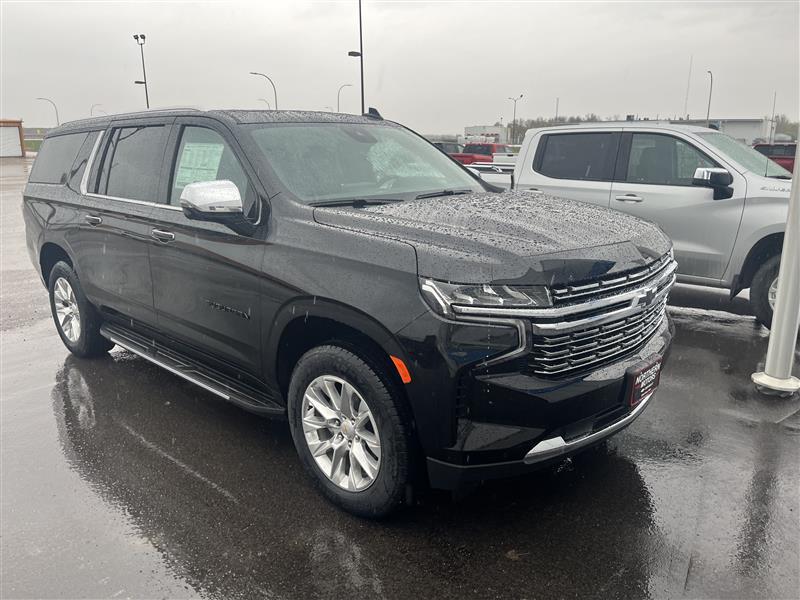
388, 490
759, 290
89, 343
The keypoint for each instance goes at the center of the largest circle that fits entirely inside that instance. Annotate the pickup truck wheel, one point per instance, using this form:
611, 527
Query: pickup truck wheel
763, 290
77, 321
346, 423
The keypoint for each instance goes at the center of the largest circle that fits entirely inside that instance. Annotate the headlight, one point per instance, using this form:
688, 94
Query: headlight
442, 297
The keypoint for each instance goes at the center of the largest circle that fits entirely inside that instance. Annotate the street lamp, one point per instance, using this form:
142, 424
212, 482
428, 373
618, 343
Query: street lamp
265, 101
339, 93
710, 89
514, 120
139, 37
54, 108
91, 110
360, 54
274, 91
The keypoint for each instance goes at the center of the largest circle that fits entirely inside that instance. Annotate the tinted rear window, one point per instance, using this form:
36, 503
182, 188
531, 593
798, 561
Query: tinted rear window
55, 158
587, 156
132, 163
478, 149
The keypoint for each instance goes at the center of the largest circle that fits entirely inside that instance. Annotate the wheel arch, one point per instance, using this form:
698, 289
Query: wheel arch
309, 322
767, 247
50, 254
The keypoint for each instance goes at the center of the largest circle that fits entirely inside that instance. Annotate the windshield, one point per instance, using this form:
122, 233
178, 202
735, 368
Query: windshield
744, 155
332, 161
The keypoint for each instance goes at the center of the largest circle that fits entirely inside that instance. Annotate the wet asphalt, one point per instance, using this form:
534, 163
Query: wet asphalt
121, 480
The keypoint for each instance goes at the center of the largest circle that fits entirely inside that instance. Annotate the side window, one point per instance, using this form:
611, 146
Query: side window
663, 160
203, 155
132, 163
56, 157
78, 167
584, 156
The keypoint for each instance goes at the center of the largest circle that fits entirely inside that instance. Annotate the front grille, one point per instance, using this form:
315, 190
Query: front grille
586, 290
562, 355
589, 336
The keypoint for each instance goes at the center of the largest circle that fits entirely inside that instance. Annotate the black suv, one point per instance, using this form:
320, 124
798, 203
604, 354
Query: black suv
413, 324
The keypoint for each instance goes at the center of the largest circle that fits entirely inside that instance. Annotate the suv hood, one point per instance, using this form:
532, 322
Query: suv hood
513, 237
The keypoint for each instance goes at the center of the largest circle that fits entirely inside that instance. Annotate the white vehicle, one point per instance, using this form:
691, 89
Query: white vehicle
723, 204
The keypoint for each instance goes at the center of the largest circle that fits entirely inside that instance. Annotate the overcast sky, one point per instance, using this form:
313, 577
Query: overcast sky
434, 66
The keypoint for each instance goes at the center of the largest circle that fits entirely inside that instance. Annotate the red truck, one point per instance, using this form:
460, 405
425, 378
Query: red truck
780, 152
480, 152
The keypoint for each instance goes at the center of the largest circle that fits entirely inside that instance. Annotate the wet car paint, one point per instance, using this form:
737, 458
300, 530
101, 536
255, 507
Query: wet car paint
120, 479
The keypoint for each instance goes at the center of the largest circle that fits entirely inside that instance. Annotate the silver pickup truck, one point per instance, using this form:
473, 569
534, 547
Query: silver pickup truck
723, 204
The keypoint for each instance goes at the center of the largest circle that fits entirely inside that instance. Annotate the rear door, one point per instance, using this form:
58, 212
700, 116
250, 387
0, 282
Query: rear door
206, 278
119, 194
578, 165
655, 183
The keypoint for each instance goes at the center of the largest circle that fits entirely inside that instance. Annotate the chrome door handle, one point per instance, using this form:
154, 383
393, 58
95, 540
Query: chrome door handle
93, 220
629, 198
162, 236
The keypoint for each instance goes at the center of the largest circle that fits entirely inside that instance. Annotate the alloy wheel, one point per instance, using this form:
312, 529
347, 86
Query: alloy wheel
341, 433
67, 312
772, 294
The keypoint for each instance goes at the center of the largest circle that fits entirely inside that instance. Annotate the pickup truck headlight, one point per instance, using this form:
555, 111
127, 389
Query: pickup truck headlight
441, 296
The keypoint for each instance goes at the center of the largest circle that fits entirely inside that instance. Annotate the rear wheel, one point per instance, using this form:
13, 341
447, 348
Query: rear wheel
347, 425
764, 290
77, 321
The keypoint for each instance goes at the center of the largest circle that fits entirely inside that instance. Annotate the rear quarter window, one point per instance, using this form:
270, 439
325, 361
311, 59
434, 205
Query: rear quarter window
55, 158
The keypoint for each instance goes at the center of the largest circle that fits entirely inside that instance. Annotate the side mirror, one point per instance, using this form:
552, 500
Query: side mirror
204, 198
218, 201
712, 177
719, 180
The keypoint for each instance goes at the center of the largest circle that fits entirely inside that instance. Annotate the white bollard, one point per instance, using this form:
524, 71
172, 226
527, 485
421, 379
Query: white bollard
777, 374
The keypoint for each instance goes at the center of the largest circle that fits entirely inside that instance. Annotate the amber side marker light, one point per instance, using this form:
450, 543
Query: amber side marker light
402, 369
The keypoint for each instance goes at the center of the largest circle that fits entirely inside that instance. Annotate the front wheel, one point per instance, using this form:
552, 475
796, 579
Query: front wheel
764, 290
348, 427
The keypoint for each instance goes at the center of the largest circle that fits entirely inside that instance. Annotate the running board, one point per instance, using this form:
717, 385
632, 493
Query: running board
191, 370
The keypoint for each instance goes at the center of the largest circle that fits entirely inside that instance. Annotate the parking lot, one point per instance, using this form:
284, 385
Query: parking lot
122, 480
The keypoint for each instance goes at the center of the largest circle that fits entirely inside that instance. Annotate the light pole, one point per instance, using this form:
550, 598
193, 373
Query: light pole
360, 54
265, 101
91, 110
274, 91
514, 120
55, 108
139, 37
339, 93
557, 111
710, 89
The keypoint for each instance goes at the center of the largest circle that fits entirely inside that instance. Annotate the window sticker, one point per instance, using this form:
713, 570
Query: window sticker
199, 162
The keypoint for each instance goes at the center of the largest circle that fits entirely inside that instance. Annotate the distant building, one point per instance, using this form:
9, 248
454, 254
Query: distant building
11, 139
494, 133
746, 131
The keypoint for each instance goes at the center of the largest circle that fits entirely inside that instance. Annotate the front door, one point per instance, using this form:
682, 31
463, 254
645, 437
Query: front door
206, 278
656, 185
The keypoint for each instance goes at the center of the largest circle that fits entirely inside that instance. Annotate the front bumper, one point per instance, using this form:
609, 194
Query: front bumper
511, 423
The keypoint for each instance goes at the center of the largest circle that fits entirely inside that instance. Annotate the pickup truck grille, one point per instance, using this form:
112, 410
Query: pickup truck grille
589, 335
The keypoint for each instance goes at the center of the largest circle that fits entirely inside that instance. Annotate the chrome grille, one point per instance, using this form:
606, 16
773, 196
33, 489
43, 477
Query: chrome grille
585, 291
604, 327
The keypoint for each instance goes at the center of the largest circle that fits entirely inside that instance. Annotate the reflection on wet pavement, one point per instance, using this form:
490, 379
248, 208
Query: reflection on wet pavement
698, 498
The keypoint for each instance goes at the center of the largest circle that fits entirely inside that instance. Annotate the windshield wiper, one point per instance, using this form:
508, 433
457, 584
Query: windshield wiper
780, 176
356, 202
443, 193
